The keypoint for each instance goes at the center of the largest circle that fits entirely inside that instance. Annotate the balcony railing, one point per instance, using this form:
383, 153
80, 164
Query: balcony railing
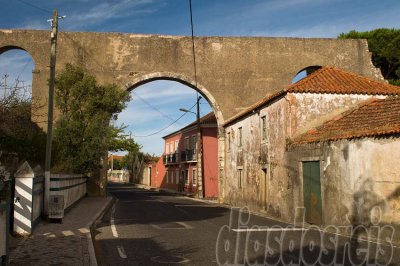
189, 156
171, 158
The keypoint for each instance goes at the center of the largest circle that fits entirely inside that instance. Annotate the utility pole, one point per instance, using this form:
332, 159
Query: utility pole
199, 165
5, 85
53, 37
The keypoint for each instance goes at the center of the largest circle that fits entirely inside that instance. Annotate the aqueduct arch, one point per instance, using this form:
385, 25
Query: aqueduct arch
232, 72
236, 71
190, 82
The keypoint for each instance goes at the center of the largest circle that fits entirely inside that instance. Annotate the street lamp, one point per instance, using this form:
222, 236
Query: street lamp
199, 168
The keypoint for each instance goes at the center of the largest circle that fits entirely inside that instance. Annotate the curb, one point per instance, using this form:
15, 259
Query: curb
92, 254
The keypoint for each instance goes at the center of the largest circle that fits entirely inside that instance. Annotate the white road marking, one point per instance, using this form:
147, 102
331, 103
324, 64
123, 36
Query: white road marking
268, 229
112, 221
184, 226
195, 205
83, 230
121, 252
68, 233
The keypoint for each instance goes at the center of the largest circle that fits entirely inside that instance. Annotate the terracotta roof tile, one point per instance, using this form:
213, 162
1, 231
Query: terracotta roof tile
334, 80
374, 117
328, 80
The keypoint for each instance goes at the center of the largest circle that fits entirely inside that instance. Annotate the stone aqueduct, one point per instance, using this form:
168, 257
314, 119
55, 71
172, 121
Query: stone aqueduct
232, 72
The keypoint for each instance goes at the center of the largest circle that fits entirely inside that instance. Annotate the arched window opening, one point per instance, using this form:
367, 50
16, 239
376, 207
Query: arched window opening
16, 77
304, 73
22, 139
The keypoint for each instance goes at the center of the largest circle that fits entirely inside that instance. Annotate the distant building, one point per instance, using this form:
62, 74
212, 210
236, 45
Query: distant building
186, 167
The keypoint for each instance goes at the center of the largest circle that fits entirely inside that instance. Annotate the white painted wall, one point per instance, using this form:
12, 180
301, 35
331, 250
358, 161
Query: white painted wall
59, 184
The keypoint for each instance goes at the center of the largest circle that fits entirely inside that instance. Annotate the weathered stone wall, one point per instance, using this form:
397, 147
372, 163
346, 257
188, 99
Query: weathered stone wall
312, 109
357, 176
270, 176
265, 184
233, 72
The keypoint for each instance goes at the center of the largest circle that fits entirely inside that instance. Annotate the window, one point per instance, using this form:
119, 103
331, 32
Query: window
167, 148
194, 144
240, 136
264, 127
177, 176
228, 140
171, 148
194, 177
187, 176
176, 145
186, 143
167, 174
172, 177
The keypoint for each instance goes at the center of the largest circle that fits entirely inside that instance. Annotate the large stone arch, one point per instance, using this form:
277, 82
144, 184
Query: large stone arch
190, 82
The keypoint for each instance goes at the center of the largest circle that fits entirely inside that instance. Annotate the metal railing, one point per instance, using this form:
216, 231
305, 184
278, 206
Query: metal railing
189, 156
171, 158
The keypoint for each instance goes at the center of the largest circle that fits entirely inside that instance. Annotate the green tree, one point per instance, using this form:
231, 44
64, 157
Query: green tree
120, 141
83, 133
384, 45
19, 136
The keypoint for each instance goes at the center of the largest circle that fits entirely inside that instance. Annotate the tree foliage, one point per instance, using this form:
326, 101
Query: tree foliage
384, 45
83, 133
120, 141
19, 136
132, 156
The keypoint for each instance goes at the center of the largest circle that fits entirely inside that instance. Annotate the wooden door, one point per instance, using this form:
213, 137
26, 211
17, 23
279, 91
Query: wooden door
312, 192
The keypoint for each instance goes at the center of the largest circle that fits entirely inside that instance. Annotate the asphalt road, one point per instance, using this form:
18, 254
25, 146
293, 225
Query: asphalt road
154, 228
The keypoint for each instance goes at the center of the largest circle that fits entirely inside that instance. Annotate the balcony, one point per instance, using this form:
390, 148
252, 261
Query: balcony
171, 158
189, 156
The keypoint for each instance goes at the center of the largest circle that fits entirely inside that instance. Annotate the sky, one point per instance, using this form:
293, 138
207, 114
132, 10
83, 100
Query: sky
155, 105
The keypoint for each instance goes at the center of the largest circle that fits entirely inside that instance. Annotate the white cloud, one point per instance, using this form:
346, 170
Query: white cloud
37, 24
107, 10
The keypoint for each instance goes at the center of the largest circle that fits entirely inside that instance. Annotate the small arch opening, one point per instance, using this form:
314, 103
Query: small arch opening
305, 72
23, 138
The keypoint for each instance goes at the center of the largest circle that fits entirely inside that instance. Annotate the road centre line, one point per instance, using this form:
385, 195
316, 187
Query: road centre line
112, 221
121, 252
184, 226
268, 229
195, 205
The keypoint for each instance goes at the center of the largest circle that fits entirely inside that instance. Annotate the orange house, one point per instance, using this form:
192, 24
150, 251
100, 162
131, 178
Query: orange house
185, 166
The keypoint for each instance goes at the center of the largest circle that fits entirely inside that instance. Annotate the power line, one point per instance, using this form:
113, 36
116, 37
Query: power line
158, 131
20, 73
153, 107
193, 49
35, 6
124, 85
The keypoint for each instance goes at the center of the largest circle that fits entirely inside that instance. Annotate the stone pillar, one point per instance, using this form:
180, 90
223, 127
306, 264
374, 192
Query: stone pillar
28, 199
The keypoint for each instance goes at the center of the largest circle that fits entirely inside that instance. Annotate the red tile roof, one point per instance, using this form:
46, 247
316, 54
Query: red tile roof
328, 80
114, 157
375, 117
334, 80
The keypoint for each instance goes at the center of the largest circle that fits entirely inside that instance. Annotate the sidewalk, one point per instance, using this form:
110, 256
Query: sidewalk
66, 243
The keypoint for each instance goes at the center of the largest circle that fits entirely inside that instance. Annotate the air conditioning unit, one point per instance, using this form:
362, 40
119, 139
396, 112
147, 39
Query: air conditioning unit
56, 206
